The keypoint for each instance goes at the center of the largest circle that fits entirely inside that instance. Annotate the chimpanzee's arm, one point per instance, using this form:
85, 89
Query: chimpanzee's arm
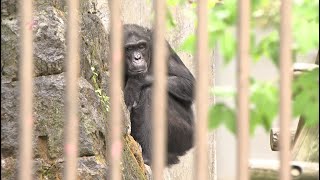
180, 80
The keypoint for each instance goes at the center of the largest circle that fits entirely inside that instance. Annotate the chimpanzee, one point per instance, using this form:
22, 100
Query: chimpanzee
138, 81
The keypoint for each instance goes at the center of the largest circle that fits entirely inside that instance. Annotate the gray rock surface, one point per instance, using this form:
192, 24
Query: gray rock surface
49, 26
49, 122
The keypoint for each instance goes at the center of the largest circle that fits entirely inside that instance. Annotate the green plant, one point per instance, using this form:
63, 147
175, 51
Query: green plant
264, 18
103, 97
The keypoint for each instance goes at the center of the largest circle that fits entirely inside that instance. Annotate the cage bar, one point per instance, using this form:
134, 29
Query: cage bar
159, 93
243, 88
72, 63
202, 92
116, 84
26, 95
285, 88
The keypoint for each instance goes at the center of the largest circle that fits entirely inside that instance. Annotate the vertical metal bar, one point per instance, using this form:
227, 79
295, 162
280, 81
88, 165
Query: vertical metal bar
71, 97
25, 77
243, 88
159, 100
285, 88
202, 95
116, 84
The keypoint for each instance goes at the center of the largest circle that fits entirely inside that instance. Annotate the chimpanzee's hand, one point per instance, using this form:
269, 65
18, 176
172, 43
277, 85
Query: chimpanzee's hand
132, 93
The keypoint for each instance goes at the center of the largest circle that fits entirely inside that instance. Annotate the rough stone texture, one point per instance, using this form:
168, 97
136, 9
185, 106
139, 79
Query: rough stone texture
48, 131
88, 168
49, 26
49, 44
8, 8
9, 49
48, 121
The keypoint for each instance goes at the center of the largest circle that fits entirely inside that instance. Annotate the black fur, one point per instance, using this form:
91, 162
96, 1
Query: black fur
137, 92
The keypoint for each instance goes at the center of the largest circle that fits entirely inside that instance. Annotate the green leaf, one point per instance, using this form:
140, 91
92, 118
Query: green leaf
212, 4
254, 121
230, 121
228, 45
212, 39
170, 22
99, 91
215, 24
172, 2
268, 46
214, 115
188, 44
105, 98
175, 2
223, 14
306, 96
263, 94
222, 114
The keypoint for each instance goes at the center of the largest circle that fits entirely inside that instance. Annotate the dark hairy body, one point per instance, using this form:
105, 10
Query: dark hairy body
138, 96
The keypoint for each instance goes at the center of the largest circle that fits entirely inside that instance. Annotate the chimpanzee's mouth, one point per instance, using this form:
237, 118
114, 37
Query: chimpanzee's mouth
139, 71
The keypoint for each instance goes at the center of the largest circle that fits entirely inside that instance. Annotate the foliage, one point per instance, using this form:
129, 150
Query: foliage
263, 106
222, 114
103, 97
264, 103
265, 19
306, 97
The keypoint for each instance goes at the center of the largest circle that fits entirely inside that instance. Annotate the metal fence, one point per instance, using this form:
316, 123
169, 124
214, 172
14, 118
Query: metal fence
202, 60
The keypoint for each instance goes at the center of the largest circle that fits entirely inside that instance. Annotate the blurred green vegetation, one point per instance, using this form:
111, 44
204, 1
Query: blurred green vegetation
264, 95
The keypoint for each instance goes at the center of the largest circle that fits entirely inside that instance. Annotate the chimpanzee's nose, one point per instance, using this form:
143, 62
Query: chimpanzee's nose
137, 56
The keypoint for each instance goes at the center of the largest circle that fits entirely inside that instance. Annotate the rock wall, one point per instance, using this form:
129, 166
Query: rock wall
49, 27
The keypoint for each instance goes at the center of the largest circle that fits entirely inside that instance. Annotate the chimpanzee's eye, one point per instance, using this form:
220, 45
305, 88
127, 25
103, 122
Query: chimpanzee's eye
142, 46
